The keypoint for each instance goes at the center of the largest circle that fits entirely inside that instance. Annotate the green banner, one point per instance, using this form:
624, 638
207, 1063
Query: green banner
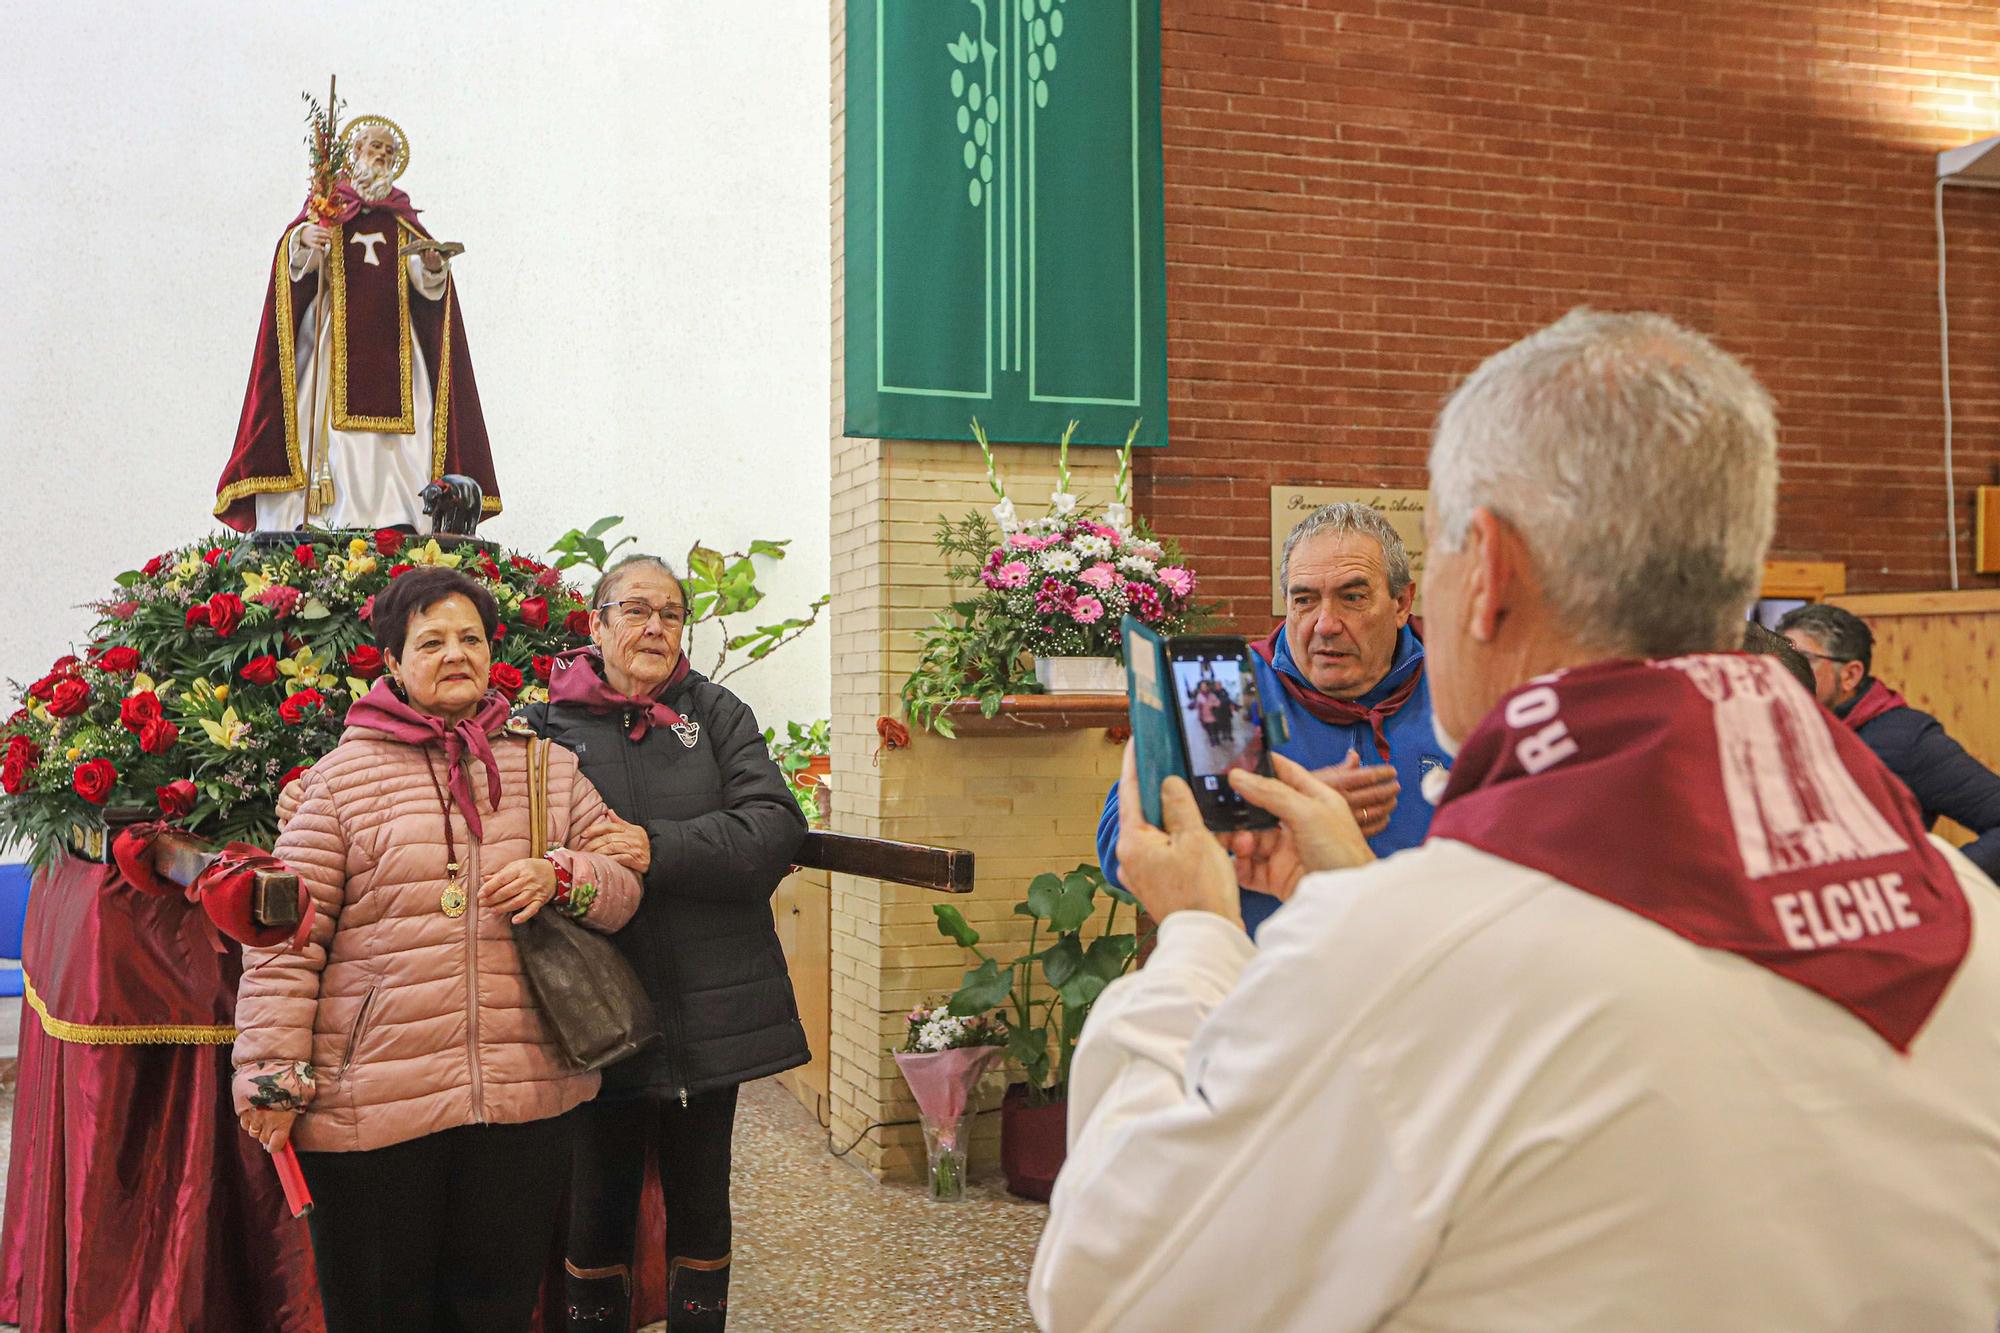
1005, 246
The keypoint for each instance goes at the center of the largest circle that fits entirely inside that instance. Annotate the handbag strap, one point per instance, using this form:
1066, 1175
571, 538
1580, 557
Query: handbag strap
538, 798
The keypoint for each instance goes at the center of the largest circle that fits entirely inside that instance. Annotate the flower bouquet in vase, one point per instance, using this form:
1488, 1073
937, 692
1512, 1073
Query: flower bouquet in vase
943, 1058
1052, 589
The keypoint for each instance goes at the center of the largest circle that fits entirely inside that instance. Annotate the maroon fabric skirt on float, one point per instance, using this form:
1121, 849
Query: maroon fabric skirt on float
134, 1199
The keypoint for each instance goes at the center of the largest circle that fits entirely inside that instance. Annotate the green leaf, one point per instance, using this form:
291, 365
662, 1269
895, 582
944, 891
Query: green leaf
1044, 893
1074, 906
953, 925
1082, 991
775, 550
1029, 1048
603, 525
1062, 961
985, 987
313, 609
129, 577
1108, 956
1121, 895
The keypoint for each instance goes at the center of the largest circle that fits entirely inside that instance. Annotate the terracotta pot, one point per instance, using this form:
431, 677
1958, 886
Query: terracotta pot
1033, 1143
808, 778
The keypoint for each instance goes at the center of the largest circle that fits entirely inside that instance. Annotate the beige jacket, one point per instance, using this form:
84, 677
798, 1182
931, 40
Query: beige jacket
413, 1021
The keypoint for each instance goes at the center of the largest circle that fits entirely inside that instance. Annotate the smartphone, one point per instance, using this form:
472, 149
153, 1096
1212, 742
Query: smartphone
1220, 714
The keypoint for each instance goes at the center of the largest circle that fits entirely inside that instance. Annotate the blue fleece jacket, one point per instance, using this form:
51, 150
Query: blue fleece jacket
1316, 744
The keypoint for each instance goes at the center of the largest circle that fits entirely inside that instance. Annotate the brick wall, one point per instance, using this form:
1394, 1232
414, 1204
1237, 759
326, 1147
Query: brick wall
1365, 197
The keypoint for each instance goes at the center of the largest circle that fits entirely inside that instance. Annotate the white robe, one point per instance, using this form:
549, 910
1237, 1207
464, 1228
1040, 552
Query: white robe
376, 474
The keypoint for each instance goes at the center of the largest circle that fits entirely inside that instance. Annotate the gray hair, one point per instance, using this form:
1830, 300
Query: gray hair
1638, 462
1838, 631
607, 583
1349, 517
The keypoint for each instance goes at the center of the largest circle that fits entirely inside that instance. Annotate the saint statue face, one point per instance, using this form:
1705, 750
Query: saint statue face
371, 162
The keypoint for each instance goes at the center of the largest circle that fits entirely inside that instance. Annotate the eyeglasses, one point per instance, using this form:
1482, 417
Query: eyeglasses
634, 612
1822, 657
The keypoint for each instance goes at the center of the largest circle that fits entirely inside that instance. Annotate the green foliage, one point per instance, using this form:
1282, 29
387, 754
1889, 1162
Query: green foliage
966, 654
1072, 975
803, 743
585, 546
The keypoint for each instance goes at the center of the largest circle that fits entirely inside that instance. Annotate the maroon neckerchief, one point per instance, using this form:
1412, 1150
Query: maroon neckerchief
380, 710
348, 202
1712, 795
1874, 701
575, 679
1341, 712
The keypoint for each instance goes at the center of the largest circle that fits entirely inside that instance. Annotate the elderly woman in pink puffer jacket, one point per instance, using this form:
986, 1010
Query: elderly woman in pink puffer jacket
400, 1049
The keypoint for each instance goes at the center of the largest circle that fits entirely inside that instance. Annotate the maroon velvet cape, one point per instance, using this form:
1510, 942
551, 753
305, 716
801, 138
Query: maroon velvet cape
369, 365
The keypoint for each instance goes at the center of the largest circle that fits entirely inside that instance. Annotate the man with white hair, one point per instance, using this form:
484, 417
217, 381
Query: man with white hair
1677, 1021
361, 392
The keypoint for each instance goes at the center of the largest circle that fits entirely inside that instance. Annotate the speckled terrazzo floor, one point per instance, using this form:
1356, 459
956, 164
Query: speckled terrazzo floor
820, 1245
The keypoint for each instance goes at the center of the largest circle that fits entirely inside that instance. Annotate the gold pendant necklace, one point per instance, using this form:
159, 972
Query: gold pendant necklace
452, 900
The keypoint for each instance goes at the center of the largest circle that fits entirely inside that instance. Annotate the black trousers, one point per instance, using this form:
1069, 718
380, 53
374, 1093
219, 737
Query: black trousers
447, 1232
610, 1154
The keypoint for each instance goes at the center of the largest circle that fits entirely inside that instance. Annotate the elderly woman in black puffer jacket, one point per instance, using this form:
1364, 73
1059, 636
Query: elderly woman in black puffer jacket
703, 813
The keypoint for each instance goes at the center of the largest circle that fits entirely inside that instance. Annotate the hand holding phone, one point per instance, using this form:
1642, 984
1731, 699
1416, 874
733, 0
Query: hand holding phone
1316, 830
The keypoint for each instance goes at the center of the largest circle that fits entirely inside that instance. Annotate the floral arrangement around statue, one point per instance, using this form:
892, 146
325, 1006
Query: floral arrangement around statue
942, 1058
1053, 586
222, 669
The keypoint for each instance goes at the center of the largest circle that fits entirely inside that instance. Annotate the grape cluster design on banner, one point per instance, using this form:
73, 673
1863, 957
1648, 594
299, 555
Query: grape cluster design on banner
978, 104
1043, 30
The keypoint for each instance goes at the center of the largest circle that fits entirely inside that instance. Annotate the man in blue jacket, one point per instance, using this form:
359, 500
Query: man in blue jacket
1347, 667
1937, 770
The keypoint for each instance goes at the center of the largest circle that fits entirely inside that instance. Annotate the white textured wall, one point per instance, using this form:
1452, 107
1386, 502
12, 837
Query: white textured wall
642, 190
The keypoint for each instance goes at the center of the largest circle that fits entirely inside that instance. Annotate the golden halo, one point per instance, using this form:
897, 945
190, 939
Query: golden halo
402, 140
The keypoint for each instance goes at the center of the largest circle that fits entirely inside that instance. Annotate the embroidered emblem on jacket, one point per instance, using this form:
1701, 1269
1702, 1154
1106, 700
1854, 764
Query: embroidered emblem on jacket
688, 730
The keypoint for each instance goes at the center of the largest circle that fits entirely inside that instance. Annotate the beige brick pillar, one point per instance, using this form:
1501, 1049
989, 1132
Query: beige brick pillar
1022, 804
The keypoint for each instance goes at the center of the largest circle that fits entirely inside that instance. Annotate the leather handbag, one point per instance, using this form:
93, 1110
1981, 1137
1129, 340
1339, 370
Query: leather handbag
589, 995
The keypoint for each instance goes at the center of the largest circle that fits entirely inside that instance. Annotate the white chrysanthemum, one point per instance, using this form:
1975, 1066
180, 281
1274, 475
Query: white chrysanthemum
1058, 561
1136, 563
1092, 546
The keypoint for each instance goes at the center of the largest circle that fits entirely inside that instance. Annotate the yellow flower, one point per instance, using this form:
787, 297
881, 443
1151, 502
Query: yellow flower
189, 567
302, 671
359, 546
534, 694
357, 565
141, 683
221, 693
254, 582
38, 709
229, 733
429, 554
73, 754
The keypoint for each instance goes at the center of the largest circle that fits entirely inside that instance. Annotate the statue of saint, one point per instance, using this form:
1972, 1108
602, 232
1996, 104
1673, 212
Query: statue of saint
361, 392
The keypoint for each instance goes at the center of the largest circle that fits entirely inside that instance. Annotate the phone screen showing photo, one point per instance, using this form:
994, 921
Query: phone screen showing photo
1222, 721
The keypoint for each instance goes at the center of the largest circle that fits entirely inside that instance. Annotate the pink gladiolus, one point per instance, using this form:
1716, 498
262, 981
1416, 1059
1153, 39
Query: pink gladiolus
1087, 611
1178, 580
1100, 576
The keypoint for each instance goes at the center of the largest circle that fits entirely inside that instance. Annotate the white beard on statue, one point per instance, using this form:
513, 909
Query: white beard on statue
376, 474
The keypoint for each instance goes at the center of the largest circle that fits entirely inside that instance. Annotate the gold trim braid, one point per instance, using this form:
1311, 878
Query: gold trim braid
441, 390
406, 424
123, 1034
288, 360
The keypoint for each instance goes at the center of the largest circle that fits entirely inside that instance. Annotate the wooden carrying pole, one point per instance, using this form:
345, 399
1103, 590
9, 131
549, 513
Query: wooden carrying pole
317, 497
946, 869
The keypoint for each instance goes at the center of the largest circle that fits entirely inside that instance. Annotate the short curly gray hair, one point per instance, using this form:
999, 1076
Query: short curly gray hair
1346, 517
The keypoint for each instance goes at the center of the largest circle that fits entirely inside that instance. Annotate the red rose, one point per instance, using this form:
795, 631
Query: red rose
367, 611
94, 779
70, 697
365, 661
225, 613
397, 571
197, 615
176, 798
499, 631
488, 568
283, 599
209, 557
140, 709
159, 736
260, 670
294, 709
154, 566
578, 623
22, 755
388, 541
121, 659
535, 612
292, 775
122, 610
543, 666
306, 556
504, 678
525, 564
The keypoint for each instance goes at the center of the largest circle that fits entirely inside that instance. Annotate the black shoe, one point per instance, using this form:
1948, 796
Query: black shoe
697, 1295
597, 1300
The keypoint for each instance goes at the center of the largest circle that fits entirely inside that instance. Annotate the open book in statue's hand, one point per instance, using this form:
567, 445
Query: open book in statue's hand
445, 249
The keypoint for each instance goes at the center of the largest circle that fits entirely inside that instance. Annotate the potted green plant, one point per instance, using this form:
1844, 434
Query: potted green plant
803, 756
1041, 1000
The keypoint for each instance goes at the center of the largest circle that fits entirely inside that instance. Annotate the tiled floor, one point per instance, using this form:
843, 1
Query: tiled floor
821, 1246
